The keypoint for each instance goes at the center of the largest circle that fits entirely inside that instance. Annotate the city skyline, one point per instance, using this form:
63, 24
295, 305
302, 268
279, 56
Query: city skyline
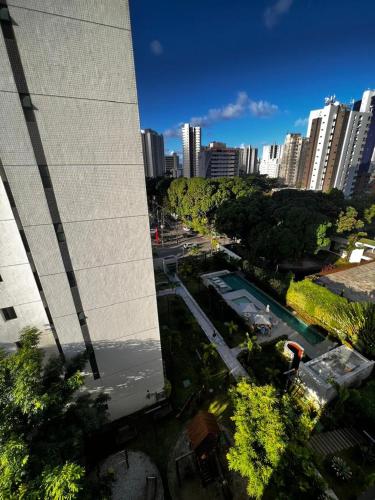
254, 88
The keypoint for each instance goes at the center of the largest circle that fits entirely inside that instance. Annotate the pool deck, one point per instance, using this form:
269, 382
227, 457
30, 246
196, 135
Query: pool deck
279, 327
311, 350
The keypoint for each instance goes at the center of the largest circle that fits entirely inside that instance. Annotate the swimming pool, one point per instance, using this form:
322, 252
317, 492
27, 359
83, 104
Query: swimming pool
309, 333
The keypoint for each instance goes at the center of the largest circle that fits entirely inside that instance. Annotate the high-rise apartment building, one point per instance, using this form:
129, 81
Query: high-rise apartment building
191, 146
305, 148
290, 162
370, 184
358, 144
248, 160
270, 162
75, 252
172, 165
326, 132
153, 153
217, 160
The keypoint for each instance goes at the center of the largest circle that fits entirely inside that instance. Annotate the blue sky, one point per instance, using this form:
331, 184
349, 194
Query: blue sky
249, 71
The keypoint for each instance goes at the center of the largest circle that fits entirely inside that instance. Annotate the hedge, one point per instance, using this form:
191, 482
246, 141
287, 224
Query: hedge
315, 304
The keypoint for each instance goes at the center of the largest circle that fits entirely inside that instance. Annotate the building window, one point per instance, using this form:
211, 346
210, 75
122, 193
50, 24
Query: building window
71, 279
27, 106
59, 232
81, 318
9, 313
6, 23
45, 177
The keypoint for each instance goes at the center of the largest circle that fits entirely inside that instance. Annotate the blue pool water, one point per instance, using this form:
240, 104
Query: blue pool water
309, 333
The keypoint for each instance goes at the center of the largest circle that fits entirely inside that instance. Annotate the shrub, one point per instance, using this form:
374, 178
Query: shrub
315, 304
274, 283
357, 324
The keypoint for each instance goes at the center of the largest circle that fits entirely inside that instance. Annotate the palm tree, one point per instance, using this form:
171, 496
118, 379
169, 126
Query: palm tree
232, 327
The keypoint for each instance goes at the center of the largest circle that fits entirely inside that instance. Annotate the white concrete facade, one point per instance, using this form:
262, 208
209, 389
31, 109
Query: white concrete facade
271, 158
18, 288
328, 119
354, 143
74, 167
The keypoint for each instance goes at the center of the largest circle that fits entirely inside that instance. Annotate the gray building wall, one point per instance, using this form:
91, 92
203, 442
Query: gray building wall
153, 153
78, 70
218, 161
172, 164
191, 147
290, 160
248, 160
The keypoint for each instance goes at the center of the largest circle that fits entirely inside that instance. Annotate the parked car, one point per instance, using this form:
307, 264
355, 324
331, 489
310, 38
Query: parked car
191, 245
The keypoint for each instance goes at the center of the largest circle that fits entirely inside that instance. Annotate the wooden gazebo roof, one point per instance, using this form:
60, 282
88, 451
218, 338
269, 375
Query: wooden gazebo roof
203, 425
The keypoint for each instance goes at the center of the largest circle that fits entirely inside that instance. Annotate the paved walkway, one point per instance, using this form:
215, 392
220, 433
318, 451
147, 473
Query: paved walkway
229, 358
327, 443
131, 483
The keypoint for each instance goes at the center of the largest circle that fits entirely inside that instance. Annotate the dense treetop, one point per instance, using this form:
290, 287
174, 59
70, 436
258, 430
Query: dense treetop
196, 200
283, 224
43, 425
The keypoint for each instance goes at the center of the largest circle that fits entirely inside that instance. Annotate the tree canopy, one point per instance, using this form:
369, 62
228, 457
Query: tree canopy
291, 223
196, 200
288, 224
259, 438
43, 424
269, 449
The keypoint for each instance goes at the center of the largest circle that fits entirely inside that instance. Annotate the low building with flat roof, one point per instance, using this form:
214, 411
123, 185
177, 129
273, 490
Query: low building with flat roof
340, 366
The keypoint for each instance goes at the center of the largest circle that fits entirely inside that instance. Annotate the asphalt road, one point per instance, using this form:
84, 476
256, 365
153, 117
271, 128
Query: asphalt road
173, 243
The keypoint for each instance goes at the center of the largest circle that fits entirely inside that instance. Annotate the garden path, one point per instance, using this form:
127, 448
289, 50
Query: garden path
226, 354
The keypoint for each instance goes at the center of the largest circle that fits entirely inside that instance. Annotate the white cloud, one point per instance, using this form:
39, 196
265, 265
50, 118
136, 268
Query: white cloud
301, 122
263, 108
241, 107
156, 48
274, 12
173, 132
228, 112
